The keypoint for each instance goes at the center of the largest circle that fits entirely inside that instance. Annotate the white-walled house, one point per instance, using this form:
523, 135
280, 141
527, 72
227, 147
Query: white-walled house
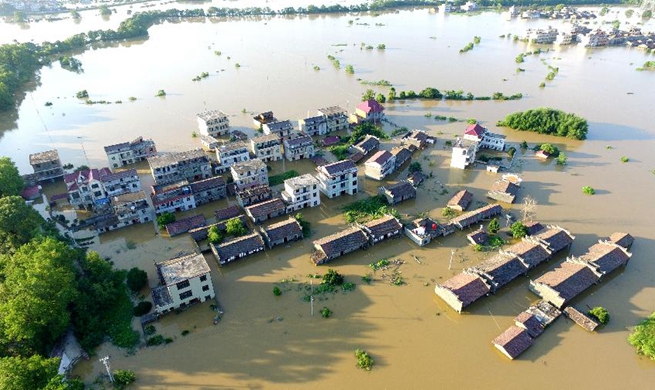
475, 138
338, 178
297, 146
131, 152
173, 197
315, 125
300, 192
380, 165
189, 165
281, 128
183, 280
213, 123
267, 147
231, 153
249, 173
336, 118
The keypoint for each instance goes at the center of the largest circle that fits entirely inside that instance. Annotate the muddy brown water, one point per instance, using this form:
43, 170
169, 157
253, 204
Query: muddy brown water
417, 341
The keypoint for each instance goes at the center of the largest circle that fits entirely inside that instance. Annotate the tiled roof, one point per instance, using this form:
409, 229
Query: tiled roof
505, 186
344, 241
266, 208
383, 226
185, 224
182, 268
330, 140
531, 252
416, 178
402, 155
514, 341
502, 268
255, 191
280, 125
478, 237
379, 158
400, 190
298, 140
339, 167
606, 257
529, 322
280, 230
42, 157
369, 143
370, 106
314, 120
533, 227
129, 197
467, 287
476, 215
461, 199
475, 130
623, 239
243, 244
227, 213
207, 184
569, 279
556, 238
119, 175
580, 318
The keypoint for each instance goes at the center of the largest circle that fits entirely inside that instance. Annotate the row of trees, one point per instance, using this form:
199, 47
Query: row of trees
47, 287
547, 121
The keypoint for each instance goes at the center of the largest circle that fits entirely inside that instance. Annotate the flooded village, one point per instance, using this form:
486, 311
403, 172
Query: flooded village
261, 164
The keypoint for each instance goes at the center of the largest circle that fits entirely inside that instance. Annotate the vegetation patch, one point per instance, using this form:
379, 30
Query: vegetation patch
601, 314
279, 179
547, 121
366, 209
588, 190
364, 360
643, 337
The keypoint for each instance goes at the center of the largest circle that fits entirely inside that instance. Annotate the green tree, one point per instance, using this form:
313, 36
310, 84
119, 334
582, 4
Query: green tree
234, 227
276, 291
364, 360
136, 279
165, 218
11, 183
368, 95
550, 149
214, 235
122, 378
647, 14
380, 98
493, 226
21, 373
76, 15
326, 312
415, 167
104, 10
518, 229
392, 94
588, 190
643, 337
561, 159
333, 278
350, 69
601, 314
19, 223
39, 286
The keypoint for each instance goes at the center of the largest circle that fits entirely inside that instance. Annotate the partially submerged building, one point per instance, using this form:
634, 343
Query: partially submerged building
329, 248
418, 139
189, 165
382, 229
402, 155
513, 342
300, 192
281, 233
367, 145
249, 173
237, 248
368, 111
504, 190
131, 152
263, 211
184, 225
399, 192
338, 178
231, 153
587, 323
47, 165
267, 147
281, 128
460, 201
298, 145
336, 118
314, 125
462, 289
472, 217
252, 195
173, 197
380, 165
424, 230
475, 138
183, 280
213, 123
209, 190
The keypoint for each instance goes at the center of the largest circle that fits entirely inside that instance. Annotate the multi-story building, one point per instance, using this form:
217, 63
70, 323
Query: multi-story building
542, 36
47, 165
475, 138
128, 209
336, 118
208, 190
315, 125
300, 192
463, 153
183, 280
213, 123
267, 147
265, 117
297, 146
367, 145
172, 167
418, 139
231, 153
132, 152
370, 111
173, 197
402, 155
251, 195
380, 165
281, 128
209, 143
85, 188
122, 182
249, 173
338, 178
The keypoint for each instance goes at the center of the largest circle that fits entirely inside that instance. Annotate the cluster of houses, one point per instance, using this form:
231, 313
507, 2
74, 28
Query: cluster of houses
559, 286
633, 37
469, 6
567, 13
475, 137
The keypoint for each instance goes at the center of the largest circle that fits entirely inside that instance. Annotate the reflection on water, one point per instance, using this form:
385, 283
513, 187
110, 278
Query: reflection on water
416, 340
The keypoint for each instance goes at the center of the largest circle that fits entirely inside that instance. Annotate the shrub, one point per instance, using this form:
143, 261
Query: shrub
448, 212
161, 93
561, 159
588, 190
333, 278
276, 291
83, 94
136, 279
234, 227
350, 69
364, 360
625, 159
214, 235
122, 378
142, 308
518, 229
415, 167
155, 340
366, 279
149, 330
326, 312
643, 337
165, 218
601, 314
493, 226
185, 332
511, 151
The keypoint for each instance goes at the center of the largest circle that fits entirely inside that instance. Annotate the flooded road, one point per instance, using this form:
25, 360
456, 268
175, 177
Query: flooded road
417, 341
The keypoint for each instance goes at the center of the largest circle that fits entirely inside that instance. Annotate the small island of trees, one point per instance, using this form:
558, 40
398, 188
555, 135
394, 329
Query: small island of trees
547, 121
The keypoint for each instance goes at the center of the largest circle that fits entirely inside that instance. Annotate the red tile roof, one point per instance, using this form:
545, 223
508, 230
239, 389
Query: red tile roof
475, 130
513, 342
370, 106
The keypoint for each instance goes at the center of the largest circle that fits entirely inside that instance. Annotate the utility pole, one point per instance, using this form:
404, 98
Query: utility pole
84, 151
311, 297
105, 361
452, 254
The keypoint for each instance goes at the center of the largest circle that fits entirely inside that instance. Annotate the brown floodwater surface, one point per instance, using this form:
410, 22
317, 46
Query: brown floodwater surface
417, 341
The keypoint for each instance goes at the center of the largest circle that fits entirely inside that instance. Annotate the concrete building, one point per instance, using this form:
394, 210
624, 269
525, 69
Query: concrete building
300, 192
189, 165
209, 143
249, 173
297, 146
380, 165
281, 128
475, 138
263, 211
208, 190
128, 209
123, 182
367, 145
85, 188
173, 197
231, 153
46, 165
267, 147
398, 192
369, 111
417, 138
130, 152
402, 155
213, 123
464, 152
315, 125
263, 118
183, 280
255, 194
338, 178
281, 233
336, 118
330, 247
542, 36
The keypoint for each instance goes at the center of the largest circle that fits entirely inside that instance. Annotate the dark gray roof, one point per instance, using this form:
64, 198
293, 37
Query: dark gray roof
207, 184
227, 213
265, 208
243, 244
400, 190
337, 168
284, 229
119, 175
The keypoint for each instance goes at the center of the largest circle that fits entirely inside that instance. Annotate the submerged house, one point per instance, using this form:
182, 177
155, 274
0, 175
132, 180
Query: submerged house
208, 190
417, 138
213, 123
46, 165
380, 165
297, 146
398, 192
131, 152
173, 197
267, 147
367, 145
336, 118
237, 248
580, 318
462, 289
255, 194
423, 230
185, 224
472, 217
513, 342
338, 244
504, 191
369, 110
402, 155
281, 129
183, 280
338, 178
269, 209
281, 233
564, 283
381, 229
460, 201
172, 167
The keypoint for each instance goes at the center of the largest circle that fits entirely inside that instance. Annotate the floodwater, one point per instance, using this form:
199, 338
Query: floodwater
417, 341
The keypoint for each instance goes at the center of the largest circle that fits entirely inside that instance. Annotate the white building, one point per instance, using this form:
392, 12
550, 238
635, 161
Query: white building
336, 118
173, 197
542, 36
297, 146
183, 280
231, 153
85, 188
123, 182
213, 123
190, 165
338, 178
315, 125
463, 153
281, 128
130, 152
209, 143
484, 137
300, 192
249, 173
128, 209
267, 147
380, 165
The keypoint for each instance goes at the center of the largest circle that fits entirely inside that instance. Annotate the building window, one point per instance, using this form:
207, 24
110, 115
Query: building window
205, 288
203, 278
182, 285
186, 294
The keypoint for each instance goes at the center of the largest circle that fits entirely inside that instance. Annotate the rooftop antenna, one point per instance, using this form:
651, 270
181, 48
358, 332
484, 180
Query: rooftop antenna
105, 361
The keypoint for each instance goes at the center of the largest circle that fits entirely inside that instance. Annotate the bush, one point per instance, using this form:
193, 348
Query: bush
142, 308
493, 226
122, 378
234, 227
276, 291
448, 212
149, 330
415, 167
333, 278
369, 208
214, 235
601, 314
161, 93
550, 149
326, 312
136, 279
588, 190
83, 94
165, 218
364, 360
643, 337
511, 151
625, 159
155, 340
518, 229
548, 121
561, 159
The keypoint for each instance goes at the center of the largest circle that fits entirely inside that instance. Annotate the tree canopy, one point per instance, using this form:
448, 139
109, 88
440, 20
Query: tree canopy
11, 183
19, 223
548, 121
34, 372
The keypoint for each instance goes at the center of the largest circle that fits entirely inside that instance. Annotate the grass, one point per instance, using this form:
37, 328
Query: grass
279, 179
367, 209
